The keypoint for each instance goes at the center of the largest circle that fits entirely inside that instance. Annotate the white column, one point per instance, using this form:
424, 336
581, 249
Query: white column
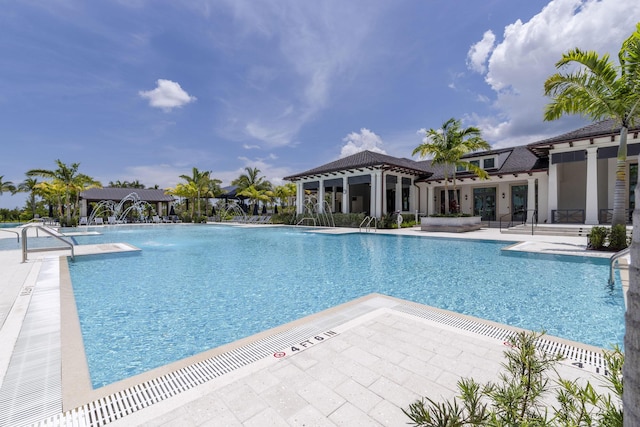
543, 198
531, 199
345, 195
159, 208
373, 194
553, 190
430, 202
379, 191
320, 207
591, 214
83, 207
299, 198
399, 194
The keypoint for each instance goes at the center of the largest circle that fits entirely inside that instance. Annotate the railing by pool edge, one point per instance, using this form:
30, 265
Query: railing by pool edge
47, 230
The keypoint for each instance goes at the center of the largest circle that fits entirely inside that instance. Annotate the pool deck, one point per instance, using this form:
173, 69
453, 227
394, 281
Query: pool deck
356, 364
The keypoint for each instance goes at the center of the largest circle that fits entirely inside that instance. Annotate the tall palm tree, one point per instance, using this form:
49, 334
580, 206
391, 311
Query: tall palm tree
446, 146
6, 186
599, 89
30, 185
251, 178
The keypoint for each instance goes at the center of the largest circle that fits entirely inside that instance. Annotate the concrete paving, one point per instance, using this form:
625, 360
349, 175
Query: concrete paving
358, 364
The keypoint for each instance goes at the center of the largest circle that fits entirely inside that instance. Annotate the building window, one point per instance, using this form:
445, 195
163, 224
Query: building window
461, 168
475, 162
489, 163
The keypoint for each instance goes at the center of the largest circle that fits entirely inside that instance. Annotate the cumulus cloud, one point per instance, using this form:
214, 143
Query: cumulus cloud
479, 52
365, 140
167, 95
517, 66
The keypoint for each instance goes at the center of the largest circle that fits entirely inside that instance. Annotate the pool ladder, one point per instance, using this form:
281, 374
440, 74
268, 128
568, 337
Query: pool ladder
366, 224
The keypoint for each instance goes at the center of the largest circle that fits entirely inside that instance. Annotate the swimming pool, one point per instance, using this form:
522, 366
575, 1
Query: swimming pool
193, 288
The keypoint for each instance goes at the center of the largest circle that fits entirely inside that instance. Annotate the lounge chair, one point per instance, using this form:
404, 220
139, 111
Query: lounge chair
111, 220
98, 221
83, 221
156, 219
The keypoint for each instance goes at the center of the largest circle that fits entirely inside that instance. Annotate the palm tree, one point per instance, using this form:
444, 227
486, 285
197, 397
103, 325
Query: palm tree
251, 178
30, 185
65, 175
6, 186
200, 182
254, 195
186, 190
601, 90
447, 145
285, 192
126, 184
52, 192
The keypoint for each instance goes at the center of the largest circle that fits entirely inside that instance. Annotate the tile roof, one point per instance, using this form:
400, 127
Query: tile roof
117, 194
361, 160
603, 128
518, 160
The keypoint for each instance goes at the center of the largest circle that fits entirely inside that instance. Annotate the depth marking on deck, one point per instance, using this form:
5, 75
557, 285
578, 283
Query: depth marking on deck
303, 345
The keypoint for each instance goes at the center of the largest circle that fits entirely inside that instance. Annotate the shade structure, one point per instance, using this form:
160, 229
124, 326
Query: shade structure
255, 209
213, 210
275, 209
172, 211
264, 209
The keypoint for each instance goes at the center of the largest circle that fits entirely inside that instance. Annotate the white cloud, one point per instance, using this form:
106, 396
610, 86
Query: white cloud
479, 52
317, 47
167, 95
519, 64
365, 140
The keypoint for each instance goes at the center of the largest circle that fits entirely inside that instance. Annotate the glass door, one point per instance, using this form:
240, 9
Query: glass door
484, 203
519, 202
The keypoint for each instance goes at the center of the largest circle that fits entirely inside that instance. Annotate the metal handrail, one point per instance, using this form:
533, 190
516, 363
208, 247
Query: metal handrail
47, 230
11, 231
534, 220
366, 223
613, 260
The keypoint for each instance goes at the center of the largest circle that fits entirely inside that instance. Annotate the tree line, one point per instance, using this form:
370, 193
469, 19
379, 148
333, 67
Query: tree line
58, 195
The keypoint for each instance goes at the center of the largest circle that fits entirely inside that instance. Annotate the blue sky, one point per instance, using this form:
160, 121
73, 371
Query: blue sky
146, 90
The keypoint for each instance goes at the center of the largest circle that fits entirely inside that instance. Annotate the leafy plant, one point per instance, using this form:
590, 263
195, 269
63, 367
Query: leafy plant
618, 237
598, 237
519, 398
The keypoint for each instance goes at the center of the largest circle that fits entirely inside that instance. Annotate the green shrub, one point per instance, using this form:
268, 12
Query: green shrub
520, 397
618, 237
598, 237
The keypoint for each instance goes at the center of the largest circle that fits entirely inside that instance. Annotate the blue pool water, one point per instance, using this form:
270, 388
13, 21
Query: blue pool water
193, 288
